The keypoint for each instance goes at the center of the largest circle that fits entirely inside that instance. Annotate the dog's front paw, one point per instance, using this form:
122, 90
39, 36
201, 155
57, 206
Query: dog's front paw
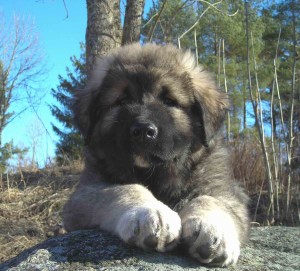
211, 238
153, 226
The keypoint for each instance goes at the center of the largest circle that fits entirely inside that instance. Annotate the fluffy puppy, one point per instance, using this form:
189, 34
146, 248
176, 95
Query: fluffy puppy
156, 172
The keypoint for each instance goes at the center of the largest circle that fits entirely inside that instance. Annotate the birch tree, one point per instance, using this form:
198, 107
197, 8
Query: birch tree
21, 65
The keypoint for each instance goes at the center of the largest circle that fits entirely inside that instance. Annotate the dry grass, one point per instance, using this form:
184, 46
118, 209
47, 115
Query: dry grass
31, 202
248, 168
30, 207
248, 164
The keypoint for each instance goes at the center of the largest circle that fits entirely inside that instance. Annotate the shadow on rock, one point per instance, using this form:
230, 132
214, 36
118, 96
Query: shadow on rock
272, 248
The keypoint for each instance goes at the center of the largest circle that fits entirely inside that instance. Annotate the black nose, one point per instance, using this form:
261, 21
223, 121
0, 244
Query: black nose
143, 131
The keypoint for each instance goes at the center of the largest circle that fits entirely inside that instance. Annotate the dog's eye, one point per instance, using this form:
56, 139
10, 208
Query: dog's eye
122, 100
170, 102
167, 99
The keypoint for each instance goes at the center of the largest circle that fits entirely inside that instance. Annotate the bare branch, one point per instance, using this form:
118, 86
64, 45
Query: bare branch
66, 8
197, 21
151, 31
20, 65
202, 14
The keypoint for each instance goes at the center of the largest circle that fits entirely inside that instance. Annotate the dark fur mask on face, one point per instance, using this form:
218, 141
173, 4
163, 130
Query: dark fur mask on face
145, 111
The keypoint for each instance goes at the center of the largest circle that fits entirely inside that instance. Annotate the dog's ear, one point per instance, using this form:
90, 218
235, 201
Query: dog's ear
210, 104
86, 101
82, 111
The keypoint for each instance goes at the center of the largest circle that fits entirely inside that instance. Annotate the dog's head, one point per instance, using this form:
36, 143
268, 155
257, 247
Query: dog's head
148, 105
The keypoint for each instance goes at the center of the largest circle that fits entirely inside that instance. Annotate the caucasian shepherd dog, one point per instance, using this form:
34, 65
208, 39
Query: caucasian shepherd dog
156, 172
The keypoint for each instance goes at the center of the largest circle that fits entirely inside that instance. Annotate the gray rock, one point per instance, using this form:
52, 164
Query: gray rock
270, 248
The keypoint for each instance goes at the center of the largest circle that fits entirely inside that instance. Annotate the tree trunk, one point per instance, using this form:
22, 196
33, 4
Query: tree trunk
226, 91
244, 107
291, 120
132, 21
256, 105
103, 30
273, 111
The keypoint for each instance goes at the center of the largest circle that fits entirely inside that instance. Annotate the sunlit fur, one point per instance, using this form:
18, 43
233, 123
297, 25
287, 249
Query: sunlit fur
180, 175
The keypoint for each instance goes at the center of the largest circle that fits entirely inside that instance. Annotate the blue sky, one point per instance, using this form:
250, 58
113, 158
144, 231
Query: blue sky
59, 39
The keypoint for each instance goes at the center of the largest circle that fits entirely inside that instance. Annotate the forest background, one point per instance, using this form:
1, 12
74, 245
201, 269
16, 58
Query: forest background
252, 48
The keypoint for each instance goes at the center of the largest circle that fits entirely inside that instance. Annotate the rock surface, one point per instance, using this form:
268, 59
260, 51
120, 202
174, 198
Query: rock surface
270, 248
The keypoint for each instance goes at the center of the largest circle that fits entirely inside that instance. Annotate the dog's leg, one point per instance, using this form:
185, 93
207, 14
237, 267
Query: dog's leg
129, 211
212, 230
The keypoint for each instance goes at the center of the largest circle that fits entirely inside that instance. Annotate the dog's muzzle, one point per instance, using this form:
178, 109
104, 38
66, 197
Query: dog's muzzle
143, 132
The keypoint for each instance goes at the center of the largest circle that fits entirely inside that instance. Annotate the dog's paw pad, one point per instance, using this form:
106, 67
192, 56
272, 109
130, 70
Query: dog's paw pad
151, 241
211, 238
153, 226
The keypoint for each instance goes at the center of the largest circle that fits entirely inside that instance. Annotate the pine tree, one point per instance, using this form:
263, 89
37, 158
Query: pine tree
164, 27
104, 32
68, 148
7, 152
215, 25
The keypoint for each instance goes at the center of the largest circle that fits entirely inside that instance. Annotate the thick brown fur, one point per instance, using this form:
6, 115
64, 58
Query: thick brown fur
157, 173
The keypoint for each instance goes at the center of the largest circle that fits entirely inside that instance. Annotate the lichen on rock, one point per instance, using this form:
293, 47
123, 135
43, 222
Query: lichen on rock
270, 248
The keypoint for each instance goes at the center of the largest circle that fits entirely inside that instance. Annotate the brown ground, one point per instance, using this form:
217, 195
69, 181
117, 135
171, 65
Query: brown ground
31, 204
30, 207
